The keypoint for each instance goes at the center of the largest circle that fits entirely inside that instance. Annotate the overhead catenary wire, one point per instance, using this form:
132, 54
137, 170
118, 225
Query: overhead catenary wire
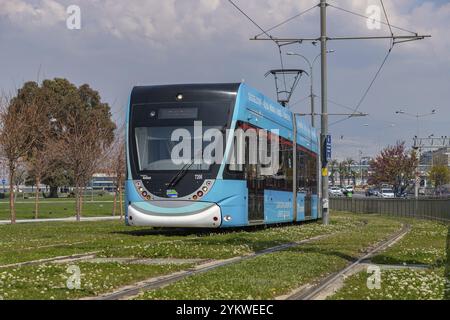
387, 18
372, 82
287, 20
282, 66
268, 35
372, 19
392, 37
366, 92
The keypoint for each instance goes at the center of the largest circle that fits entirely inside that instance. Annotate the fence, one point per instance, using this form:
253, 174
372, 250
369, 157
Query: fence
432, 209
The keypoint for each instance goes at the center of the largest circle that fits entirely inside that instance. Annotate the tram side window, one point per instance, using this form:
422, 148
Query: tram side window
306, 172
301, 170
268, 178
313, 174
285, 173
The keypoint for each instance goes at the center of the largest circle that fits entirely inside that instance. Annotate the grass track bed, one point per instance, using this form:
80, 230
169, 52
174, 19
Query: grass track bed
402, 284
19, 243
427, 244
49, 281
276, 274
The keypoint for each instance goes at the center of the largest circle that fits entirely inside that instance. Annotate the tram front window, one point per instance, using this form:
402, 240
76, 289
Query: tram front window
170, 148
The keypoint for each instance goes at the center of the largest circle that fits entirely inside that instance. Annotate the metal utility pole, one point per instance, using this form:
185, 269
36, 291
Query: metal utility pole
311, 78
395, 39
418, 116
360, 167
324, 133
313, 108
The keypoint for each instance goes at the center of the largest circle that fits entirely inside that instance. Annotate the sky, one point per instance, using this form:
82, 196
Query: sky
125, 43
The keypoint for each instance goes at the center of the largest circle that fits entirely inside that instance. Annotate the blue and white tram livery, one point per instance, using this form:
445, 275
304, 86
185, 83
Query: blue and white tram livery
161, 193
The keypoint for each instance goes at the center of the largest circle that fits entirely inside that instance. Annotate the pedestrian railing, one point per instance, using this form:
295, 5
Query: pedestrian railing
433, 209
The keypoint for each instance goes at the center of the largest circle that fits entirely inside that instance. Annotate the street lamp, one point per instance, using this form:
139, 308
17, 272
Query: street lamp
418, 116
311, 76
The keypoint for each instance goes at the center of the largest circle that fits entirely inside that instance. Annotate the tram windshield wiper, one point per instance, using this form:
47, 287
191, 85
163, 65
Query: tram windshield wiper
180, 174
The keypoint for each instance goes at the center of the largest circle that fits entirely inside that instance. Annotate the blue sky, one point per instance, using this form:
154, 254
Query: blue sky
127, 43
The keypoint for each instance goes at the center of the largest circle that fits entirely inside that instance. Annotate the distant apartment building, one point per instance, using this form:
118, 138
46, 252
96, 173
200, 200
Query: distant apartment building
426, 158
103, 182
442, 157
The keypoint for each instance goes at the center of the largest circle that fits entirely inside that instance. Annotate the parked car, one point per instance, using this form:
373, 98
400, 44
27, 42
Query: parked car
371, 192
387, 193
348, 189
336, 192
401, 194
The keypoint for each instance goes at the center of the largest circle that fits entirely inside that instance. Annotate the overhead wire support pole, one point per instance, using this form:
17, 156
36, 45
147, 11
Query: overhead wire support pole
293, 40
323, 39
324, 122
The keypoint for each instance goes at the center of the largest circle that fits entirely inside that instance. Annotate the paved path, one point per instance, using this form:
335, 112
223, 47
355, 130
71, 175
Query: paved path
70, 219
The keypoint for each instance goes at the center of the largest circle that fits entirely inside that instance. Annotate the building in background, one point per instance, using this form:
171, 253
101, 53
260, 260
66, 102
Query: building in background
441, 157
103, 182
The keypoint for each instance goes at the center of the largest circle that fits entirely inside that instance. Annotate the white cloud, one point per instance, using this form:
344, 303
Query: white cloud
23, 13
165, 21
166, 41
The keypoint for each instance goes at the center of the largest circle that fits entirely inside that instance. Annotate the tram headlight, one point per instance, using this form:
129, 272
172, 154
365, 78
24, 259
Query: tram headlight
227, 218
205, 189
180, 97
200, 194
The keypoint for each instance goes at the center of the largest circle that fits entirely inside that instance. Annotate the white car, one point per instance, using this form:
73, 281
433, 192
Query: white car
335, 191
387, 193
348, 189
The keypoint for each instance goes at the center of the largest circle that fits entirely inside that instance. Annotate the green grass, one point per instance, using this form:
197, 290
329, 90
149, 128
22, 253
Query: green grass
227, 244
272, 275
26, 242
426, 244
22, 242
396, 285
59, 208
49, 281
264, 277
19, 243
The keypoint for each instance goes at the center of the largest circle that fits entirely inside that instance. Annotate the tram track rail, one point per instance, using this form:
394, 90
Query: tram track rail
307, 292
70, 258
134, 290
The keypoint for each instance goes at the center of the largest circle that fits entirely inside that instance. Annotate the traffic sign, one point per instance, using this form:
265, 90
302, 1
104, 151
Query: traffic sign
328, 148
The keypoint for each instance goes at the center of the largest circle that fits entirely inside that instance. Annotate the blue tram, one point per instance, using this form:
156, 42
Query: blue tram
162, 193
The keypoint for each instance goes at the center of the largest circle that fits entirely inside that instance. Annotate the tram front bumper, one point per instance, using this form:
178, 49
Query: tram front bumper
194, 215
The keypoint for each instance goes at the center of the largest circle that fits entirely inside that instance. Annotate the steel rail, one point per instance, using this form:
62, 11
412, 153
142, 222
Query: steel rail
311, 293
162, 281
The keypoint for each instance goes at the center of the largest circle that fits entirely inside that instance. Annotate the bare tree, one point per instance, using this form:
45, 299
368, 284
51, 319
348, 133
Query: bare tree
83, 145
39, 163
20, 177
39, 159
117, 170
17, 120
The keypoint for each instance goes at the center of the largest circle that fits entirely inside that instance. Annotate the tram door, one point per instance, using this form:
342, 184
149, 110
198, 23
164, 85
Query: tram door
255, 191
